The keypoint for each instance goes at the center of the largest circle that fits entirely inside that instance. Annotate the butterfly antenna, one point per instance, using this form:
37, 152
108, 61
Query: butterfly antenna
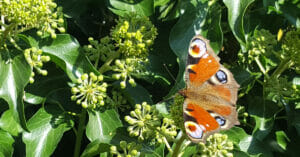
169, 72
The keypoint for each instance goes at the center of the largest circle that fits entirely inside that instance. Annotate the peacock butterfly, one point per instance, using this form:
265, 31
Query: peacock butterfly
210, 93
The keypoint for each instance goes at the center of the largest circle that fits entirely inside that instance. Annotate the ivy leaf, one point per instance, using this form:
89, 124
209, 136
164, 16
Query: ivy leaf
158, 151
137, 94
198, 18
15, 73
254, 147
36, 95
46, 127
143, 7
236, 134
102, 125
264, 113
94, 148
236, 12
6, 143
64, 52
282, 139
291, 11
9, 124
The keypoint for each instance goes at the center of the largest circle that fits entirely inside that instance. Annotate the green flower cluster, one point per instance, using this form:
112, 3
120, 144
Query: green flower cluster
145, 122
90, 91
127, 150
134, 35
35, 59
22, 15
118, 100
126, 69
291, 48
100, 51
142, 120
261, 43
217, 145
166, 131
127, 48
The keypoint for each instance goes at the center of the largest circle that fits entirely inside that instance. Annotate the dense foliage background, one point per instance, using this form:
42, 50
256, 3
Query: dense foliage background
72, 73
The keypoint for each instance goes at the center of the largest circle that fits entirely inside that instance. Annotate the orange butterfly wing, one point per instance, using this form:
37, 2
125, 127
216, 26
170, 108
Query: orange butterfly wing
210, 95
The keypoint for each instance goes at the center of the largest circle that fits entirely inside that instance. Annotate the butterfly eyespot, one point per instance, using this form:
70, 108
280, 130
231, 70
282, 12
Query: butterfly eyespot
221, 76
197, 48
220, 120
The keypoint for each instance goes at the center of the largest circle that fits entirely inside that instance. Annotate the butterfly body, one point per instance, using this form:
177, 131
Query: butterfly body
210, 94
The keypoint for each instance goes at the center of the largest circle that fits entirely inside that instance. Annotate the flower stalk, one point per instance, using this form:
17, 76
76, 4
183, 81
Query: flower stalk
81, 127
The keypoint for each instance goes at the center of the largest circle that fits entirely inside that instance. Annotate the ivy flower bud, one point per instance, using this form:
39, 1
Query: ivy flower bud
89, 91
123, 84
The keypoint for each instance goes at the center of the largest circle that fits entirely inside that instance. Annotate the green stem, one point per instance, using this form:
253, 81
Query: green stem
167, 144
261, 67
284, 64
6, 32
178, 146
80, 131
105, 67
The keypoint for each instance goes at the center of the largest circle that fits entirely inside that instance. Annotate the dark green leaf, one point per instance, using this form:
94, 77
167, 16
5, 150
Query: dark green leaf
37, 95
46, 127
15, 73
143, 7
236, 12
288, 9
6, 144
137, 94
102, 125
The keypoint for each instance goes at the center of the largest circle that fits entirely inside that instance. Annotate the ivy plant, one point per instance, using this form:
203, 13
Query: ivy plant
100, 78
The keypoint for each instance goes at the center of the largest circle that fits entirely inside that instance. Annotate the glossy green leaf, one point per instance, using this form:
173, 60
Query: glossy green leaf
64, 52
236, 134
6, 144
94, 148
236, 13
264, 113
290, 10
190, 150
15, 73
254, 147
36, 95
198, 18
9, 124
143, 7
137, 94
46, 127
245, 79
158, 151
282, 139
102, 125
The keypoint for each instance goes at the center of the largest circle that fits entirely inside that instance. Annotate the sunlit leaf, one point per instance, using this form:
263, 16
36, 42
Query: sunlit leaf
46, 128
6, 144
236, 12
102, 125
15, 73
